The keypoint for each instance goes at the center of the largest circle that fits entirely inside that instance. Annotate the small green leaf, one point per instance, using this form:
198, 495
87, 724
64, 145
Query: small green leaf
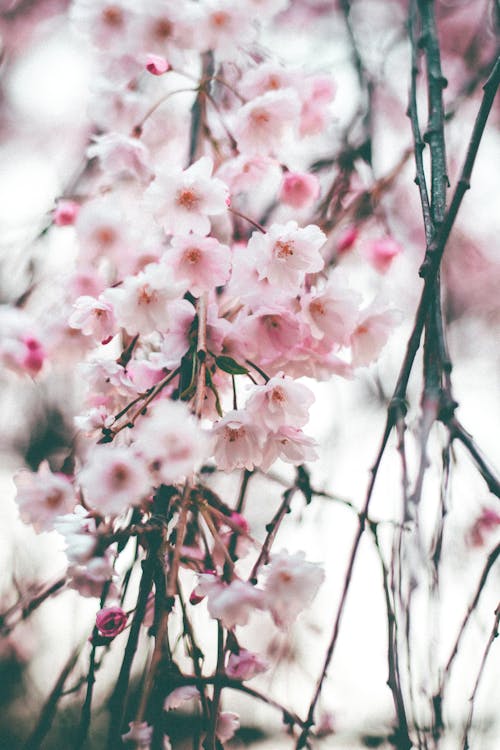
228, 364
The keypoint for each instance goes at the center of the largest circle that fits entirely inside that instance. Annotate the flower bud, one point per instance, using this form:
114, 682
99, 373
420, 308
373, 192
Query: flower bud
110, 621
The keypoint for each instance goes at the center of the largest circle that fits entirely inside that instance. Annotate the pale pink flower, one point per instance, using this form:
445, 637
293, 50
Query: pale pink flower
268, 76
332, 313
289, 444
225, 25
94, 317
202, 263
21, 348
238, 441
42, 496
261, 125
371, 335
120, 156
110, 621
88, 579
65, 213
227, 724
315, 105
287, 252
79, 532
281, 401
101, 229
140, 733
382, 252
182, 201
156, 65
299, 190
94, 420
270, 333
290, 585
245, 665
171, 441
233, 603
141, 302
106, 23
243, 173
113, 479
266, 9
179, 696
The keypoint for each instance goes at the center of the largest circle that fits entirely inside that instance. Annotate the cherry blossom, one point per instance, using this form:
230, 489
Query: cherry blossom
140, 733
233, 603
237, 441
299, 190
65, 213
94, 317
261, 125
290, 585
287, 252
179, 696
113, 479
110, 621
281, 401
227, 725
245, 665
201, 262
371, 334
120, 156
182, 201
42, 496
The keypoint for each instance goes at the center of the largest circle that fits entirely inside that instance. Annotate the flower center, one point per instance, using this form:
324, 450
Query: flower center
260, 117
119, 476
192, 255
234, 434
54, 498
278, 395
283, 249
105, 236
187, 199
317, 307
220, 19
162, 29
147, 295
112, 16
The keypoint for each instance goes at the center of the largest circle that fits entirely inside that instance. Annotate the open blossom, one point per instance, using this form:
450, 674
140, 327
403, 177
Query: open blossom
225, 25
21, 348
94, 317
113, 479
182, 201
120, 156
286, 253
237, 441
245, 172
299, 190
269, 334
227, 724
171, 441
245, 664
233, 603
110, 621
141, 302
78, 530
371, 334
261, 125
42, 496
89, 578
179, 696
291, 445
290, 585
332, 313
202, 263
281, 401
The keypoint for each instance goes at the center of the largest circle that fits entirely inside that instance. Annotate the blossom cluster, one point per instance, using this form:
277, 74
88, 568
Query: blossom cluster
204, 289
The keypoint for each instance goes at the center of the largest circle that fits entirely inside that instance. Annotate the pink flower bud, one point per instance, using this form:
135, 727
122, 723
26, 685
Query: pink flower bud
66, 213
110, 621
299, 190
240, 521
347, 239
34, 356
382, 252
245, 665
157, 65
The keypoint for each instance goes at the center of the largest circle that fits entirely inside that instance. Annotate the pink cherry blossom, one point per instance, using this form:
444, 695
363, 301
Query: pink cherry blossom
245, 664
332, 313
78, 530
227, 724
238, 441
140, 303
42, 496
94, 317
289, 444
202, 263
171, 441
290, 585
179, 696
243, 173
89, 578
113, 479
299, 190
286, 253
281, 401
140, 733
371, 334
120, 156
226, 26
261, 125
110, 621
269, 76
233, 603
182, 201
